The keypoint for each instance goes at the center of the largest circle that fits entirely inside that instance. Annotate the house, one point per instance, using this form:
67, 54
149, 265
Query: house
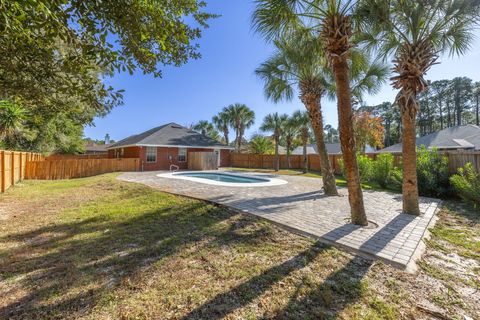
160, 147
94, 148
332, 148
465, 137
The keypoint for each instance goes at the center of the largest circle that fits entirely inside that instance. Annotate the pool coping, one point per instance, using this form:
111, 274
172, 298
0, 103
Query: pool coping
268, 181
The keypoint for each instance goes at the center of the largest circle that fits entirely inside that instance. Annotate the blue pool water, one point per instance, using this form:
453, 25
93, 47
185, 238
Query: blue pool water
222, 177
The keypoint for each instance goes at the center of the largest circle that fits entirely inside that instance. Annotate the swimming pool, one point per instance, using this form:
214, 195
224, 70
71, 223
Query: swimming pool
224, 179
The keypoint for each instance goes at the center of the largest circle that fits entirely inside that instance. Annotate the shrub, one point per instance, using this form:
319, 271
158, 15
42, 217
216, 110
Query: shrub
467, 184
395, 179
382, 169
432, 173
365, 167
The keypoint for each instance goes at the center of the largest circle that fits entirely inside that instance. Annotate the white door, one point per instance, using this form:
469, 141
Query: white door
217, 152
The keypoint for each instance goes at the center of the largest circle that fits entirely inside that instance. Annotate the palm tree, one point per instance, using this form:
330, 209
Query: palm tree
290, 132
293, 65
415, 33
241, 118
206, 128
275, 123
261, 145
12, 117
302, 121
222, 122
333, 18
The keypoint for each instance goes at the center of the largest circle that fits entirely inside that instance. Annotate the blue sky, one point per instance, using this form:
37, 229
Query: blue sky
225, 74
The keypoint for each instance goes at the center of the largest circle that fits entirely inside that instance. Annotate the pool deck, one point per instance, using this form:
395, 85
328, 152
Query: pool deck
301, 207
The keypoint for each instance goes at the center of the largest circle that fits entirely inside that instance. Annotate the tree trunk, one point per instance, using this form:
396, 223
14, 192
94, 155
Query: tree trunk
409, 186
315, 113
441, 112
225, 135
477, 110
288, 146
277, 158
347, 140
449, 114
457, 105
305, 157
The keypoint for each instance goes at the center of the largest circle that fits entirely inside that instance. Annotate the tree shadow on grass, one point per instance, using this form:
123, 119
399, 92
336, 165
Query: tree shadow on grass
340, 289
337, 291
61, 270
236, 298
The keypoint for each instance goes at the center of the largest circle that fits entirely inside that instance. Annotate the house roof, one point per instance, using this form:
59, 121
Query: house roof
332, 148
97, 147
170, 135
459, 137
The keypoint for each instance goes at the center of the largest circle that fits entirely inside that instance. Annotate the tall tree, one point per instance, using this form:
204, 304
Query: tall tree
477, 104
414, 33
302, 122
369, 130
275, 123
241, 118
439, 89
55, 55
222, 122
293, 66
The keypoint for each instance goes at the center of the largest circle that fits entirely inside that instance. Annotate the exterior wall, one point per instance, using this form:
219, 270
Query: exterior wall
166, 156
129, 152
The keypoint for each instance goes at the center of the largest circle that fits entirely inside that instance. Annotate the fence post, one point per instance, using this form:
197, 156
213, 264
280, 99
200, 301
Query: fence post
12, 168
20, 168
2, 171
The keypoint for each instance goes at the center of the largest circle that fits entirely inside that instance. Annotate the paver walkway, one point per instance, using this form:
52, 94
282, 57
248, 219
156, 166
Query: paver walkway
301, 207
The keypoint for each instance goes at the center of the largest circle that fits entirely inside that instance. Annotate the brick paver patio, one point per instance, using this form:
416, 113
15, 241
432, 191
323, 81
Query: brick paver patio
300, 207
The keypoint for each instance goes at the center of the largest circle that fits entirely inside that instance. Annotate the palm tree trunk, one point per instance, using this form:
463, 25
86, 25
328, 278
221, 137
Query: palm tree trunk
277, 158
315, 113
305, 157
347, 140
409, 186
288, 146
225, 135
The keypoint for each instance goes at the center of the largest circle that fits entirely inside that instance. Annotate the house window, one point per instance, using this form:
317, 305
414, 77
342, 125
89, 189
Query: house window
182, 154
151, 154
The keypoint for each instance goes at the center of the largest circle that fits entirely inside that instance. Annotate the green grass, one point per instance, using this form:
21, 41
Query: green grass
99, 248
340, 180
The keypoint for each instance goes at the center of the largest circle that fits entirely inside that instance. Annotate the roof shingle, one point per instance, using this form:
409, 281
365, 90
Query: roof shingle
170, 134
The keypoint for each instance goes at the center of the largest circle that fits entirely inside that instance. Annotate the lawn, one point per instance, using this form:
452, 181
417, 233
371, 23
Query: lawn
99, 248
340, 180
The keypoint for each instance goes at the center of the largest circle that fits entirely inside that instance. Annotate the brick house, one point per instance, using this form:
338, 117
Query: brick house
171, 143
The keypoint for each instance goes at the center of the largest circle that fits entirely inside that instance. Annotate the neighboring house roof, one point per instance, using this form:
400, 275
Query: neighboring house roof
170, 135
97, 147
332, 148
459, 137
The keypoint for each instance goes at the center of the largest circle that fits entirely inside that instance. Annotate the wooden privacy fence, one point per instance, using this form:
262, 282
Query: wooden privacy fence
456, 159
78, 168
202, 161
13, 166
